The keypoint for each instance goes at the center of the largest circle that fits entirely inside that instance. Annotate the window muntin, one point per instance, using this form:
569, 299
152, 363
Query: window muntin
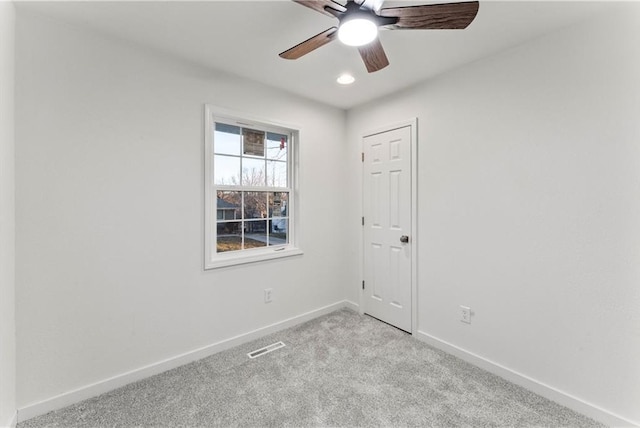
251, 191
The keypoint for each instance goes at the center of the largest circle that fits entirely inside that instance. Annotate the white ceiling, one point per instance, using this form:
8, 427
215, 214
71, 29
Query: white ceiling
244, 38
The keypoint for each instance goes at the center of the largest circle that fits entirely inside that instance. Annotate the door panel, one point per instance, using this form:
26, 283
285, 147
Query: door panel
387, 212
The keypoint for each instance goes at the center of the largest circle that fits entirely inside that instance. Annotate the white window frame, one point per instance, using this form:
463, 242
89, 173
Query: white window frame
213, 259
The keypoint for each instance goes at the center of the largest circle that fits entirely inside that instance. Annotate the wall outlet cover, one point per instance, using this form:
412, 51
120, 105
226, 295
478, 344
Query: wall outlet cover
465, 314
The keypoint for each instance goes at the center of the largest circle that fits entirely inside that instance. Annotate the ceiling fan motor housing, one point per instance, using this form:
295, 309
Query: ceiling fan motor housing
356, 11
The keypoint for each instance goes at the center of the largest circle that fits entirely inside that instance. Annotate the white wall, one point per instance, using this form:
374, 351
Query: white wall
529, 176
7, 217
109, 185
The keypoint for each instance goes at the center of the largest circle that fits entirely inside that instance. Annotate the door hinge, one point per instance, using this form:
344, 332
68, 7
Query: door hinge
363, 284
363, 221
362, 156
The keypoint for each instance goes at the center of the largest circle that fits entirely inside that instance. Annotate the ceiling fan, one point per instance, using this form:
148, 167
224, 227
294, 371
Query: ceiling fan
359, 21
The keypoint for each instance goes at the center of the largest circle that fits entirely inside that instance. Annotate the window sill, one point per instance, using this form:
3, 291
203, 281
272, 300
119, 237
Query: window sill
224, 260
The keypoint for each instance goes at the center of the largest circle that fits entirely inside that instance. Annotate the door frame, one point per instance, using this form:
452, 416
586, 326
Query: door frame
413, 125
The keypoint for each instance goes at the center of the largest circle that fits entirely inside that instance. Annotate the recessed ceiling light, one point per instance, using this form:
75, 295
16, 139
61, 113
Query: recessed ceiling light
345, 79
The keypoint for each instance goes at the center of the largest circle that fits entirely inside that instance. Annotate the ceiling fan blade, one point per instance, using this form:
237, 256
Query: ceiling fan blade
319, 6
373, 56
448, 16
310, 44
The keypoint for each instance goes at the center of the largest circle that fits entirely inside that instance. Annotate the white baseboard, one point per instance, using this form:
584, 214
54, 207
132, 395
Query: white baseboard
546, 391
350, 305
12, 422
106, 385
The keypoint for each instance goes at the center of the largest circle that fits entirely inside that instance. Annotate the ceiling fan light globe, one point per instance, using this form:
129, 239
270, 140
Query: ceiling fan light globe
357, 32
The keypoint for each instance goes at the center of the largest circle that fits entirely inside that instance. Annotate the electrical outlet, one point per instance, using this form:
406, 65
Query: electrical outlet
268, 295
465, 314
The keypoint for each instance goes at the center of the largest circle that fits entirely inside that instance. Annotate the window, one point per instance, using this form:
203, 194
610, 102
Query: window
249, 190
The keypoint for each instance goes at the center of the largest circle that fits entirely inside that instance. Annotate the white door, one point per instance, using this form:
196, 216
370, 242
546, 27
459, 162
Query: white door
387, 227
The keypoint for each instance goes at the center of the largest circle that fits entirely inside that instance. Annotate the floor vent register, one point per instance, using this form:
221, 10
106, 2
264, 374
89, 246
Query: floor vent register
265, 350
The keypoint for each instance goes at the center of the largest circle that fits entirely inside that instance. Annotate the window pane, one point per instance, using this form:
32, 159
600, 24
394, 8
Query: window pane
255, 234
253, 172
253, 142
279, 233
278, 204
226, 170
277, 146
226, 139
276, 174
229, 236
255, 205
228, 205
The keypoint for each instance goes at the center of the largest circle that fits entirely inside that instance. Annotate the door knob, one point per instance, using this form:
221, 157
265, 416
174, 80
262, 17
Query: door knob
404, 239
